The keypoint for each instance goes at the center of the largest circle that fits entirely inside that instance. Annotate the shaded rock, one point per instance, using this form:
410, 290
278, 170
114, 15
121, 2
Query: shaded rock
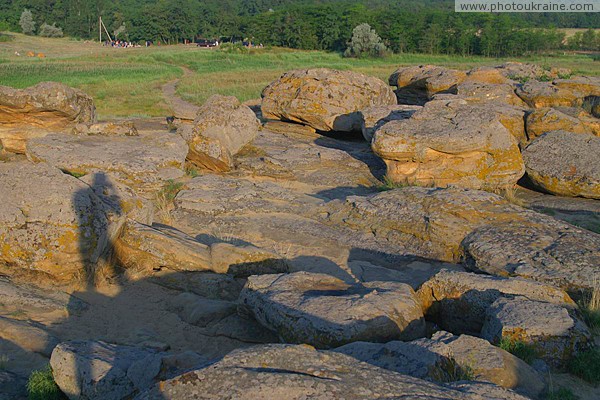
147, 248
446, 357
223, 126
50, 222
242, 328
457, 301
565, 164
450, 143
38, 110
204, 284
12, 386
572, 120
199, 311
553, 331
326, 312
27, 336
118, 128
545, 94
290, 128
142, 162
327, 100
375, 117
417, 84
295, 372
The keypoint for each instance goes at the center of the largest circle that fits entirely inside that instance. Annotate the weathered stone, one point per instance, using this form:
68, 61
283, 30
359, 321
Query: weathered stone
38, 110
525, 72
545, 94
142, 162
204, 284
450, 143
290, 128
326, 312
117, 128
565, 164
221, 129
12, 386
446, 357
327, 100
457, 301
50, 222
147, 248
199, 311
477, 92
581, 86
553, 331
417, 84
572, 120
27, 336
487, 75
289, 372
374, 117
16, 297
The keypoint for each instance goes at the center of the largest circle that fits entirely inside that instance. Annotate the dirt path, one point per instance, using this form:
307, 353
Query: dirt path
179, 107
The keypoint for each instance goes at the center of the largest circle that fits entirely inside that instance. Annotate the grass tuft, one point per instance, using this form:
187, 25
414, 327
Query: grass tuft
590, 308
164, 199
561, 394
448, 370
41, 386
586, 365
519, 349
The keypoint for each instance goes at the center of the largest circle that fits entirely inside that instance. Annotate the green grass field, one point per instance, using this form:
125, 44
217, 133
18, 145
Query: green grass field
127, 82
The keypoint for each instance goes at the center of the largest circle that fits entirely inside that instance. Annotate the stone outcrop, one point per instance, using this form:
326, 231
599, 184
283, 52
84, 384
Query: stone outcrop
581, 86
544, 94
327, 100
478, 92
40, 109
117, 128
565, 164
325, 312
223, 126
375, 117
292, 372
569, 119
446, 357
417, 85
450, 143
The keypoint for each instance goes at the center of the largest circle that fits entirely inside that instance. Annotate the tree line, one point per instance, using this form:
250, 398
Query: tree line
425, 26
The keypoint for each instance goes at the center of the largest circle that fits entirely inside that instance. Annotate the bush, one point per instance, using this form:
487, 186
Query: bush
27, 23
51, 31
518, 349
586, 365
41, 386
365, 42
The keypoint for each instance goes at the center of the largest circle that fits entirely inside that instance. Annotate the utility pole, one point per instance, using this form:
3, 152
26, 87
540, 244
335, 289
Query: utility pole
100, 28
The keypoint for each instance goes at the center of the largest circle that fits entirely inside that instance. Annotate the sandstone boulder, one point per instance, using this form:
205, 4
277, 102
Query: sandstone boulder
487, 75
552, 330
526, 72
27, 336
581, 86
50, 222
327, 100
147, 248
450, 143
545, 94
143, 162
374, 117
477, 92
324, 311
120, 128
287, 128
568, 119
289, 372
417, 84
565, 164
446, 357
40, 109
221, 128
200, 311
457, 301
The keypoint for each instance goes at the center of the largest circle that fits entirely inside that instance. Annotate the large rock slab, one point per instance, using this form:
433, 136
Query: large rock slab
324, 311
581, 86
553, 331
327, 100
432, 359
142, 162
545, 94
51, 222
450, 143
458, 301
478, 92
221, 128
40, 109
417, 84
27, 336
568, 119
289, 372
375, 117
565, 164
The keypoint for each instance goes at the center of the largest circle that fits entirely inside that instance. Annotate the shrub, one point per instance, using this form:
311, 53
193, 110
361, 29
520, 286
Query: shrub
27, 23
447, 370
41, 386
519, 349
586, 365
51, 31
365, 42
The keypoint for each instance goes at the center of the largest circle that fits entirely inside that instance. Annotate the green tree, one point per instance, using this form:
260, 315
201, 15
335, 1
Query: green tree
365, 42
27, 23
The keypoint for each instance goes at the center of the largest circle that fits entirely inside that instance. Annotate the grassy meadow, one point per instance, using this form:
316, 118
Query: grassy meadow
127, 82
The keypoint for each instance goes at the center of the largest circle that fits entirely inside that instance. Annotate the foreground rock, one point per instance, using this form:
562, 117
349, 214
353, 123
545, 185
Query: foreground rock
417, 85
446, 357
296, 372
41, 109
120, 128
50, 222
450, 143
326, 312
327, 100
375, 117
562, 163
98, 370
221, 128
142, 162
479, 228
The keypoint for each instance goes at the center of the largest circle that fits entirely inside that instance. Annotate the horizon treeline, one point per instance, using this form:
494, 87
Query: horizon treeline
424, 26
